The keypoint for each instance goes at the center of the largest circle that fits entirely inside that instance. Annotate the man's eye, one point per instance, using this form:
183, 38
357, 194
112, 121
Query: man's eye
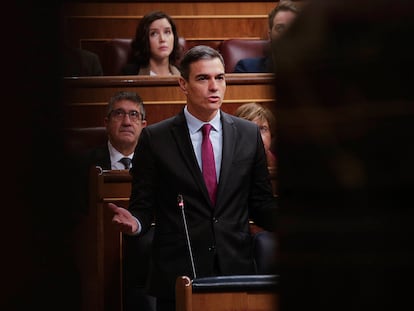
280, 28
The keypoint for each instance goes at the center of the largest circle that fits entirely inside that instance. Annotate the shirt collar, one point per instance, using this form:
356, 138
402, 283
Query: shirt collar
115, 154
195, 124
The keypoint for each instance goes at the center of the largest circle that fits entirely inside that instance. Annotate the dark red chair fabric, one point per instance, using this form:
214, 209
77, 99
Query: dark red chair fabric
235, 49
117, 53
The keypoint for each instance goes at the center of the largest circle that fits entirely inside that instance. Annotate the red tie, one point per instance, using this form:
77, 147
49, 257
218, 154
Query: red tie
208, 163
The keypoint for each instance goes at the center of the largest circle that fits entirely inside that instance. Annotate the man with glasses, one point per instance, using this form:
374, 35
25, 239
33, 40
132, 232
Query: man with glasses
124, 122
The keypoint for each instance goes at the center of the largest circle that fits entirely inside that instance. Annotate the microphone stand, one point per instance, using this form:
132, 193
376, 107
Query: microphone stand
180, 202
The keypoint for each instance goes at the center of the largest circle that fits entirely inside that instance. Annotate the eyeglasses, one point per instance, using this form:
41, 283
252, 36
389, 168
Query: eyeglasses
120, 114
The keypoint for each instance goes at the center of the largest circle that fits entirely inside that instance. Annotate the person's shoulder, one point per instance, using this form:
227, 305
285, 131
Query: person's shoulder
93, 61
251, 64
251, 60
174, 70
164, 124
87, 53
237, 121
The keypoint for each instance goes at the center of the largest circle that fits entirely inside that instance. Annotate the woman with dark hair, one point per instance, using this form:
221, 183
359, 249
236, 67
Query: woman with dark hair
155, 46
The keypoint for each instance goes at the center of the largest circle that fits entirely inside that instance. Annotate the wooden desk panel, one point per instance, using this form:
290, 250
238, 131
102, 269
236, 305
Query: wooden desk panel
216, 298
86, 97
100, 245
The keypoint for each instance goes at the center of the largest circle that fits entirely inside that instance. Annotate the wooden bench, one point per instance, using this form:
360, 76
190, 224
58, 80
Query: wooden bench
227, 293
100, 247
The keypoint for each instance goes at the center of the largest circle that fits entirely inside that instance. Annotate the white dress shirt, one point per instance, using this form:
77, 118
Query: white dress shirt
115, 156
216, 137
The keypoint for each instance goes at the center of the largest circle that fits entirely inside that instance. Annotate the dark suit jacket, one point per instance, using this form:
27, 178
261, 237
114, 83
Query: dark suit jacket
166, 166
79, 62
100, 157
257, 64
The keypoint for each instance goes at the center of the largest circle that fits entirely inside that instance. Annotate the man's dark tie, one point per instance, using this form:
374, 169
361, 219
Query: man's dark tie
208, 163
126, 162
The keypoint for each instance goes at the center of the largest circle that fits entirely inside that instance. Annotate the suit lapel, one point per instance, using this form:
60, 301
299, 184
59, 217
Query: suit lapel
229, 143
185, 147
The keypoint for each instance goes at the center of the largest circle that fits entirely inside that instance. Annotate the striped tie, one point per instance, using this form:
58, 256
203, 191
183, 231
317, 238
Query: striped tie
126, 162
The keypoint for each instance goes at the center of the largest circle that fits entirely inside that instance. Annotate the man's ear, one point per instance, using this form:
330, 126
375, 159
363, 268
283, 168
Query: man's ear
183, 84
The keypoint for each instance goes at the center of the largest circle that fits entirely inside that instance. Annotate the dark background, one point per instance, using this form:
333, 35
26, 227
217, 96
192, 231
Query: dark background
37, 262
345, 130
345, 156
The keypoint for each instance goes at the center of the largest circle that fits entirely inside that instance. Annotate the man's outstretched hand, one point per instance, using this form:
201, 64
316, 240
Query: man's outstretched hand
123, 219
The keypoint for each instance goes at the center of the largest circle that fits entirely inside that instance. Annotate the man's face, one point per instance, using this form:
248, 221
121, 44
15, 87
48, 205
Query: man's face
122, 128
281, 22
205, 88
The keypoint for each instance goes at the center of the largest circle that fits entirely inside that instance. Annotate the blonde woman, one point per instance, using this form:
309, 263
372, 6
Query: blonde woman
265, 119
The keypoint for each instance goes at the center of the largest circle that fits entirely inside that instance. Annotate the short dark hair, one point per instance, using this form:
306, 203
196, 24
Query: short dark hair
196, 53
124, 95
140, 44
283, 6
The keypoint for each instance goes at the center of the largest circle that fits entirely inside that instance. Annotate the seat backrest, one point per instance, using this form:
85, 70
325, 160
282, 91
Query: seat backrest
265, 252
118, 52
233, 50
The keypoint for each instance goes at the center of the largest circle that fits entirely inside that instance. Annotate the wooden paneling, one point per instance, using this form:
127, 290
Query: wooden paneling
190, 27
173, 8
100, 245
196, 20
86, 97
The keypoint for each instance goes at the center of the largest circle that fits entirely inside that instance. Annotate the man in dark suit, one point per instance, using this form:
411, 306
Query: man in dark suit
124, 122
79, 62
169, 166
279, 20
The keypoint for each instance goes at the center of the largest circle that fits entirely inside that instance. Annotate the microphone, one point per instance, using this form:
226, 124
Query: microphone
180, 202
